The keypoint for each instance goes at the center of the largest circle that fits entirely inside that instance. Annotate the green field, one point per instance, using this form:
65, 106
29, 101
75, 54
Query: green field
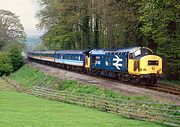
22, 110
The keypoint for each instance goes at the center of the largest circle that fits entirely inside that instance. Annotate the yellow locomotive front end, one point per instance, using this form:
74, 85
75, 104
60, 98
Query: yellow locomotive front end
143, 64
151, 64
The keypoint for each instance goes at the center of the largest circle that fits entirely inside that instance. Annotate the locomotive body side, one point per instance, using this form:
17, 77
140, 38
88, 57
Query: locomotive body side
116, 62
130, 63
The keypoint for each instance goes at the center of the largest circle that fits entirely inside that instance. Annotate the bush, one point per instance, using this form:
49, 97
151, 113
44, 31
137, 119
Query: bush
5, 64
14, 50
10, 59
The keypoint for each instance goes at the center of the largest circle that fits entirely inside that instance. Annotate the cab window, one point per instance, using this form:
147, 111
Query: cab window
142, 52
146, 51
130, 56
137, 53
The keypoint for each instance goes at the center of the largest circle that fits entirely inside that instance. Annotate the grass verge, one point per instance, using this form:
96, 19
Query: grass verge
4, 86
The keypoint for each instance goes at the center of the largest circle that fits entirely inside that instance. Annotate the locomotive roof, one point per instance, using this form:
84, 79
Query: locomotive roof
71, 51
117, 50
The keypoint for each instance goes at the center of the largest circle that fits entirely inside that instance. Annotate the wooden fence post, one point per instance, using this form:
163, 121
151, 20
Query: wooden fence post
105, 104
94, 101
117, 108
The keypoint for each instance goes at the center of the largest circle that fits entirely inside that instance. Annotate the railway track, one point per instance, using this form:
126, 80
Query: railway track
157, 87
167, 89
160, 87
164, 88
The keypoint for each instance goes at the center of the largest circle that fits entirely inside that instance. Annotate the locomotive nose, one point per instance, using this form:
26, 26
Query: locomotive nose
152, 64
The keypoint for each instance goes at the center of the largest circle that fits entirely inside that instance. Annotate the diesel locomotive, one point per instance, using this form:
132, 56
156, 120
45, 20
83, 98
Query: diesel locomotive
137, 64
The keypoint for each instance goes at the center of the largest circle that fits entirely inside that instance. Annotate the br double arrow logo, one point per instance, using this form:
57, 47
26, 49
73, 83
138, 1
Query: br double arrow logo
117, 64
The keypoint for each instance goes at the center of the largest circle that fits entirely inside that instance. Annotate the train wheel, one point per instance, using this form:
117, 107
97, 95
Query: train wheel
136, 81
153, 80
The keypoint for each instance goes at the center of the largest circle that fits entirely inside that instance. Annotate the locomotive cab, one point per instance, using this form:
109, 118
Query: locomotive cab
143, 63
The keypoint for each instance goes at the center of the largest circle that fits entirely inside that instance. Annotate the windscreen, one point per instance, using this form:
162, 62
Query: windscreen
142, 52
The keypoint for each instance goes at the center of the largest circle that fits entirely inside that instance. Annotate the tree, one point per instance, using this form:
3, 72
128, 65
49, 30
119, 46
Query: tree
82, 24
160, 27
11, 30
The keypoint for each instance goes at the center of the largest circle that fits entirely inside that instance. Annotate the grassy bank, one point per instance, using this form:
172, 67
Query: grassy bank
21, 110
28, 76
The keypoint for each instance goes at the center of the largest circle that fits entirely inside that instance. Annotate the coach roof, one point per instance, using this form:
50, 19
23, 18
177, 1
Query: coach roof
70, 52
48, 52
35, 51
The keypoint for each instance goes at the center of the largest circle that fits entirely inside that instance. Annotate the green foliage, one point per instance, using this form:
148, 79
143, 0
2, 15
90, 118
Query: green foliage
160, 24
56, 40
93, 26
5, 64
10, 58
15, 51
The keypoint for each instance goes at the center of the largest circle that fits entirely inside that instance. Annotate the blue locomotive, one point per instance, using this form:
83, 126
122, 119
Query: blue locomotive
126, 64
